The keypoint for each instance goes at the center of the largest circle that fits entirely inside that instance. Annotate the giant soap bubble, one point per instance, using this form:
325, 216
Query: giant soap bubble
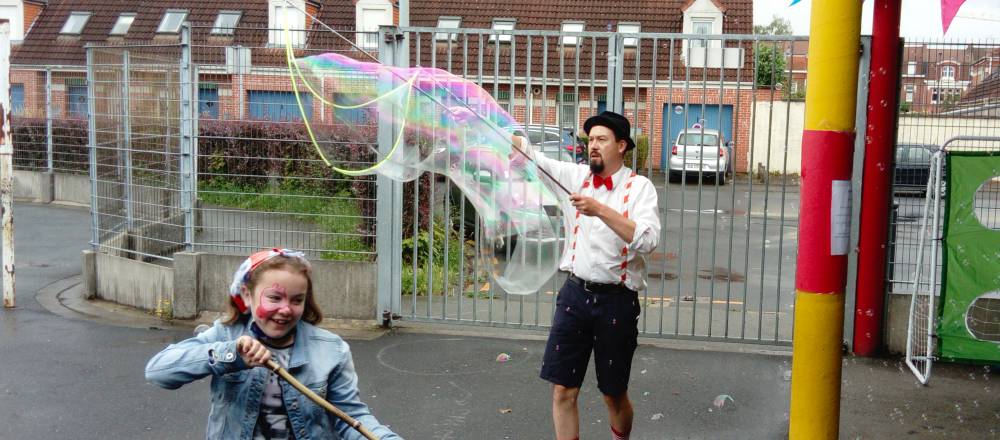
434, 121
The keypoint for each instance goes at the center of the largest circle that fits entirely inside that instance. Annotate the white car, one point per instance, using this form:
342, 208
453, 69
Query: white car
699, 152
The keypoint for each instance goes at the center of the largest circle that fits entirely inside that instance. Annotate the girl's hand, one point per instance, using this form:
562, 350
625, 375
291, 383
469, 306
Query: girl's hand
254, 353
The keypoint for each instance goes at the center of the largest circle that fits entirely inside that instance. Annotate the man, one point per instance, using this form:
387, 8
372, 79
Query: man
613, 223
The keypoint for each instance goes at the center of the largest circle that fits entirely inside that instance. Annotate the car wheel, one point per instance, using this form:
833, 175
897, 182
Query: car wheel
674, 176
720, 178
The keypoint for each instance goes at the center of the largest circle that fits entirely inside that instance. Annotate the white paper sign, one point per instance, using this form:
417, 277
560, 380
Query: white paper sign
840, 217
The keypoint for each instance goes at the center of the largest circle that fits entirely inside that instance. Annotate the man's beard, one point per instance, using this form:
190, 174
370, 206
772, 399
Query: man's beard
596, 167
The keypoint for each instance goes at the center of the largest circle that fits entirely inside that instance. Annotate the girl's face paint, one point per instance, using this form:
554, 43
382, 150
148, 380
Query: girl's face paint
279, 301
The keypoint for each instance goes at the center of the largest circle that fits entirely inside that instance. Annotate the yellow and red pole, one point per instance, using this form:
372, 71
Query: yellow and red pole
824, 218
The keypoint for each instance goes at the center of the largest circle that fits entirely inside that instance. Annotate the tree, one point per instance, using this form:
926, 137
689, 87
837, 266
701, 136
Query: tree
777, 26
770, 62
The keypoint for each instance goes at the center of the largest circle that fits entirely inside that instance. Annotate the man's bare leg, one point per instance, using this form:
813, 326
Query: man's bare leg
565, 414
620, 413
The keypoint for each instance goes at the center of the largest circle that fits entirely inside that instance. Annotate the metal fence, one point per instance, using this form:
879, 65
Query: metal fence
198, 148
725, 267
48, 119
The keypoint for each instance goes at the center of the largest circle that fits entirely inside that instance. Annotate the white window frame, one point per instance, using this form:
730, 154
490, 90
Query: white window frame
501, 24
448, 22
123, 24
631, 27
364, 9
276, 13
910, 90
220, 28
695, 22
171, 13
75, 23
574, 107
948, 68
571, 26
911, 68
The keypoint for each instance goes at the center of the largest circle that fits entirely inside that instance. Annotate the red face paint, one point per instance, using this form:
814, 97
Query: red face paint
267, 306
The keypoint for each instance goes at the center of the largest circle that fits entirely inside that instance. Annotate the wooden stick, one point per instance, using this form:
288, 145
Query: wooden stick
271, 364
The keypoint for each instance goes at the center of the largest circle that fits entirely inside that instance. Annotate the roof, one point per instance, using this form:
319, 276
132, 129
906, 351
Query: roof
44, 45
657, 16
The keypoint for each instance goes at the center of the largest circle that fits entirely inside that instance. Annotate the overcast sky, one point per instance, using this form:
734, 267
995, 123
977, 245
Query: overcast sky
977, 19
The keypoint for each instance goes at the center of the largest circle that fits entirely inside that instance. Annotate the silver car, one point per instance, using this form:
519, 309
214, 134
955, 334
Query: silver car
699, 152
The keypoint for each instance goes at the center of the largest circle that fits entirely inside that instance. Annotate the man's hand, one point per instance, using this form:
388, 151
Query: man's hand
254, 353
587, 205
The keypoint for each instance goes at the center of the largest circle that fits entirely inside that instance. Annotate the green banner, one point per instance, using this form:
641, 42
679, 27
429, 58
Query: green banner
970, 308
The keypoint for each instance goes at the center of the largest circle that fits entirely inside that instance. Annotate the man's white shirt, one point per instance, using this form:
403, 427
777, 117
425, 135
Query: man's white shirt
598, 253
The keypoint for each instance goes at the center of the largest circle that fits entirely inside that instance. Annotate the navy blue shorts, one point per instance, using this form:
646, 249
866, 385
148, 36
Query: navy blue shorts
605, 323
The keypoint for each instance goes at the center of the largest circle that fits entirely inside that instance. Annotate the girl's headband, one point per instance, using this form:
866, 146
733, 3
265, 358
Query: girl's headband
242, 275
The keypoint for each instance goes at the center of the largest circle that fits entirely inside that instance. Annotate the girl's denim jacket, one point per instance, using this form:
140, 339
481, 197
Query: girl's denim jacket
319, 359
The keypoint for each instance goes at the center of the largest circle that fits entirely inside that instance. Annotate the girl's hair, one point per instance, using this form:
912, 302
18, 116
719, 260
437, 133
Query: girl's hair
312, 314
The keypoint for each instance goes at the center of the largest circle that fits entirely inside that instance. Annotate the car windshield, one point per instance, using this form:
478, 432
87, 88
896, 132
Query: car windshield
698, 139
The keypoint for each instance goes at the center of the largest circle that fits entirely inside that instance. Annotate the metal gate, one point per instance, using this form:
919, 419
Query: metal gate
725, 266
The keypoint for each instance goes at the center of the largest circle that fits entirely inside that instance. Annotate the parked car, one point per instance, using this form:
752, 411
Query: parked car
555, 142
700, 152
913, 166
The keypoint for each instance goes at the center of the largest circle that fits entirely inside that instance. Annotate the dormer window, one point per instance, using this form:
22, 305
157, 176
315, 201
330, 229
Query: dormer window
75, 23
503, 24
123, 24
629, 28
225, 22
701, 27
571, 26
283, 16
948, 72
371, 14
172, 21
448, 23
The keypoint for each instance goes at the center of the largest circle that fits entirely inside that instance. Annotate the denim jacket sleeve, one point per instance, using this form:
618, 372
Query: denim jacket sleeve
343, 393
212, 352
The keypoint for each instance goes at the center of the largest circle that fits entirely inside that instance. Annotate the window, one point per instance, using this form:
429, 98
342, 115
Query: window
267, 105
76, 98
172, 21
571, 26
948, 72
75, 23
350, 116
911, 68
17, 99
909, 93
283, 17
568, 110
123, 24
503, 99
371, 17
226, 22
701, 27
503, 24
448, 23
629, 28
934, 95
208, 101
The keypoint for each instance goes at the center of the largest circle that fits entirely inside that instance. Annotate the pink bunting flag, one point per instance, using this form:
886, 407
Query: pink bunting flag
949, 8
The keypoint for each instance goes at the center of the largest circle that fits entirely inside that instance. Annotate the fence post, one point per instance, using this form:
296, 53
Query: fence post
6, 168
92, 151
127, 142
616, 66
48, 118
187, 139
389, 203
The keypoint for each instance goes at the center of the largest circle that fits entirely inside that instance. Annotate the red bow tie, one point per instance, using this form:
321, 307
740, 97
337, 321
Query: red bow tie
602, 181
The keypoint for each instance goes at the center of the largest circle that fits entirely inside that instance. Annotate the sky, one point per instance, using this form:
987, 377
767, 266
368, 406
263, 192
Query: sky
977, 19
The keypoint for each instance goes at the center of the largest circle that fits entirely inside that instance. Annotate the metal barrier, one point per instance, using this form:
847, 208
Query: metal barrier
48, 119
725, 267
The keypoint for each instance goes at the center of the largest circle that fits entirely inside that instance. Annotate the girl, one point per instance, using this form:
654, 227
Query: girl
272, 315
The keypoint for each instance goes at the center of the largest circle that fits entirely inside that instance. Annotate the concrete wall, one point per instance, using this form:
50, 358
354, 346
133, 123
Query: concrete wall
771, 123
897, 313
72, 188
344, 289
134, 283
937, 130
35, 186
46, 187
